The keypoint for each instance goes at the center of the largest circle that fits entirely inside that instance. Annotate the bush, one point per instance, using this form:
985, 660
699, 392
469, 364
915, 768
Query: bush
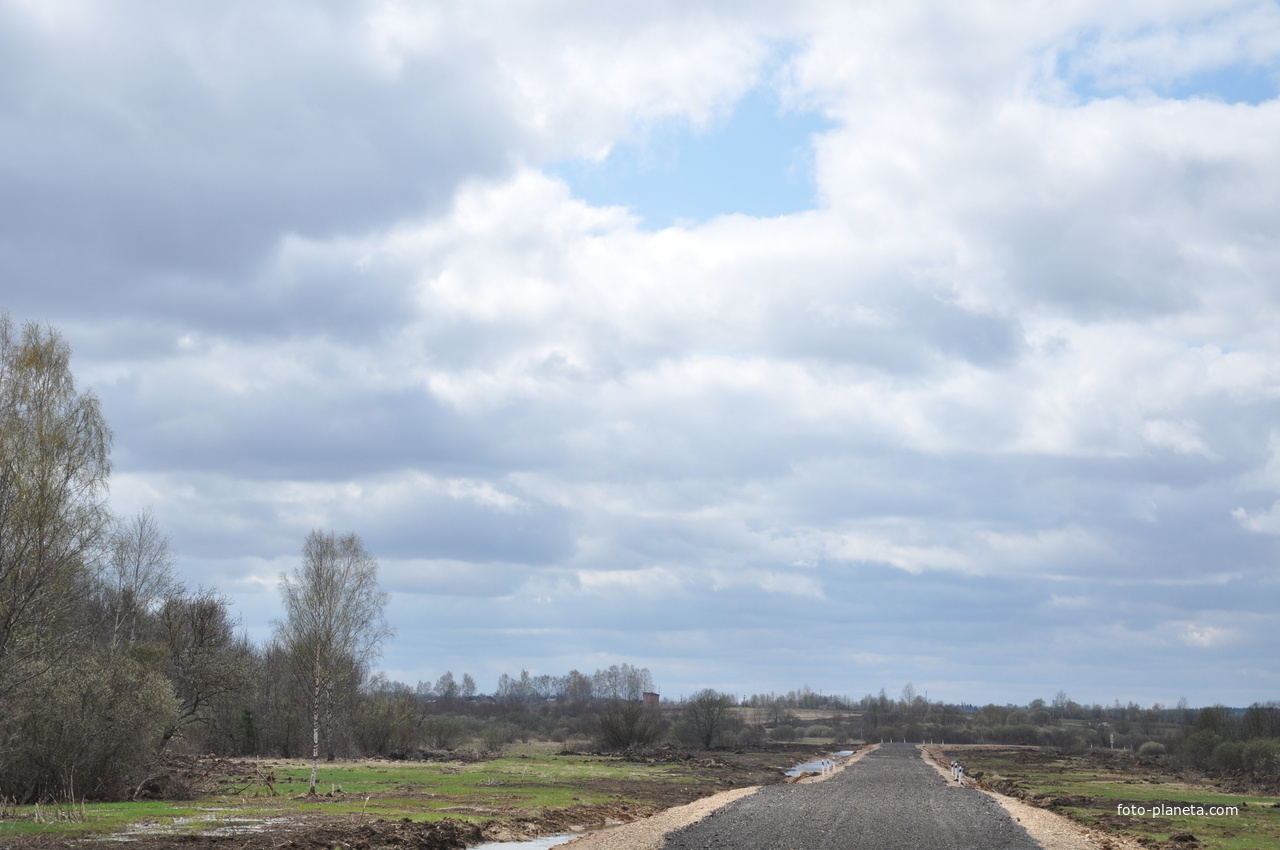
819, 731
1262, 756
1152, 748
783, 732
1197, 748
497, 735
1229, 755
90, 731
443, 732
628, 724
708, 718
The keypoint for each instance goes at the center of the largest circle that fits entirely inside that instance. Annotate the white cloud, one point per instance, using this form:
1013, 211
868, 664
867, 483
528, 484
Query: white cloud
1266, 521
1206, 636
310, 261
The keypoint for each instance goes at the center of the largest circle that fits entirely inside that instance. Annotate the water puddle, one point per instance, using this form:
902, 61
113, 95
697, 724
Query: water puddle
543, 843
546, 841
819, 765
219, 826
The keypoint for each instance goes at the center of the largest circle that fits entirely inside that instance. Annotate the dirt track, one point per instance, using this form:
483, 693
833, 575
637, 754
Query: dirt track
890, 800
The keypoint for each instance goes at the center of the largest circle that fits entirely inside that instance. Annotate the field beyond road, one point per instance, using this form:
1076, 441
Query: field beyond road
1104, 790
530, 791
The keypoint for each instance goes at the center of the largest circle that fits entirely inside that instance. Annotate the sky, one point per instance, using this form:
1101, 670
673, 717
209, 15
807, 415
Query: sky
764, 345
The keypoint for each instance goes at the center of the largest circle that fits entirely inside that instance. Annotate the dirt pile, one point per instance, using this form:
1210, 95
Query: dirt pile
186, 777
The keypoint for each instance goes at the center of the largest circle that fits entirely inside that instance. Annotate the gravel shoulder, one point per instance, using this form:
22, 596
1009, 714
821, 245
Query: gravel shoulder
1051, 830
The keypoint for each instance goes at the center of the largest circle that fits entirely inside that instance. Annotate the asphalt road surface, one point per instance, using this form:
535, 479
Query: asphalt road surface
889, 800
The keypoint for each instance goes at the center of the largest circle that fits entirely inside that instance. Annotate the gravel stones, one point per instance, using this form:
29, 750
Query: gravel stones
889, 800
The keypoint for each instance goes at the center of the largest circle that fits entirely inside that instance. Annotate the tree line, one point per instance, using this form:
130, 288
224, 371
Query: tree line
109, 663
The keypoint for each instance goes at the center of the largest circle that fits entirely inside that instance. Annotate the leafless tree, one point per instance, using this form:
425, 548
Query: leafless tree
333, 623
446, 686
204, 659
707, 714
139, 573
54, 464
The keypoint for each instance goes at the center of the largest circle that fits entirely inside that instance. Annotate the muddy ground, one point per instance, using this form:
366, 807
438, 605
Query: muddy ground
1119, 768
708, 773
1137, 768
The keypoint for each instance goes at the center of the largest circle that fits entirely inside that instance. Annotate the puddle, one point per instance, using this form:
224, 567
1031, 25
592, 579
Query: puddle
819, 765
542, 843
545, 841
218, 826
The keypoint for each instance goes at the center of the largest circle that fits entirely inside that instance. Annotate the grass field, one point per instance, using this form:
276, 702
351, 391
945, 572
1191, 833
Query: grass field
527, 779
1108, 790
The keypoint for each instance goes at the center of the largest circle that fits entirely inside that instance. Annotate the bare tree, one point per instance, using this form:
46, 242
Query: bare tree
333, 622
54, 463
707, 714
139, 573
446, 686
205, 661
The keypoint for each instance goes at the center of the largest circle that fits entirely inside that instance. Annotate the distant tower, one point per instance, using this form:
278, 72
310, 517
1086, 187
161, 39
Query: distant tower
651, 699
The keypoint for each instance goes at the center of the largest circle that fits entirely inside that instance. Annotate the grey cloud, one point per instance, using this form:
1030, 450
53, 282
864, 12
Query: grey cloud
253, 238
174, 146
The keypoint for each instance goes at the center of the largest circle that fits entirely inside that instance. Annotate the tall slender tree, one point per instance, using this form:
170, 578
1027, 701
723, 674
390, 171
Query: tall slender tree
139, 573
54, 464
333, 622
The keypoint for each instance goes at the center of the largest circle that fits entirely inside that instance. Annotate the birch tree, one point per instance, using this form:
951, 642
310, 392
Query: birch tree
333, 623
139, 573
54, 464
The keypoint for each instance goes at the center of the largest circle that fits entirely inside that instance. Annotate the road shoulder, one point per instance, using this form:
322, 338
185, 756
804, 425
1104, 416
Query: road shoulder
1052, 831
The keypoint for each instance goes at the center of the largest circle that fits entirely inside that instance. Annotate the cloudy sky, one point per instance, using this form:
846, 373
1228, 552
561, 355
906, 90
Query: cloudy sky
846, 344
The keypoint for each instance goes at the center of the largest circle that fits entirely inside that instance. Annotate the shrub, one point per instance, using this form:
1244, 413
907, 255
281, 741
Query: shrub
1262, 756
92, 731
783, 732
1229, 755
442, 732
1152, 748
707, 715
628, 724
1197, 748
819, 731
496, 735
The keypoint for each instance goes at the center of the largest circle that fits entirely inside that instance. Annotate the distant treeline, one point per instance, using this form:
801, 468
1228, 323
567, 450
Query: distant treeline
1213, 738
108, 664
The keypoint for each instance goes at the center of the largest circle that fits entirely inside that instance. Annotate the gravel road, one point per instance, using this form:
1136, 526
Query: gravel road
890, 800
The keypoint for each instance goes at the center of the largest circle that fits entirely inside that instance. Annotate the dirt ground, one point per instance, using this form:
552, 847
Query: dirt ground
1144, 768
1093, 817
708, 773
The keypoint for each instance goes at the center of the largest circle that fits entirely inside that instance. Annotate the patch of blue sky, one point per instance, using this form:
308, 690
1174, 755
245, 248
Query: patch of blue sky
757, 162
1239, 82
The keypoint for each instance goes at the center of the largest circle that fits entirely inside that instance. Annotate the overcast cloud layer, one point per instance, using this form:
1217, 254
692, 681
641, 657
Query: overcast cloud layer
999, 414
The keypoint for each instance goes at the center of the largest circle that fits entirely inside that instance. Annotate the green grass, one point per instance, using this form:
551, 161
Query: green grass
1089, 789
529, 778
